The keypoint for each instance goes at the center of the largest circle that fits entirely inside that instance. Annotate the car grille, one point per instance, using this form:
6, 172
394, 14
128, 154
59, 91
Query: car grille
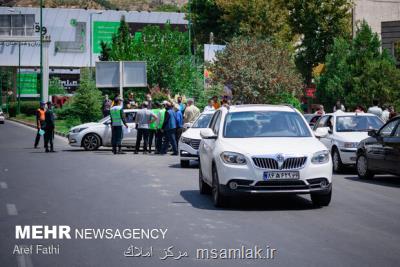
195, 143
281, 185
288, 164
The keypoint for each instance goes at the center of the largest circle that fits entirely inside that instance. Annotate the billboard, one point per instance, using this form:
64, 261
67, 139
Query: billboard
133, 74
103, 31
28, 83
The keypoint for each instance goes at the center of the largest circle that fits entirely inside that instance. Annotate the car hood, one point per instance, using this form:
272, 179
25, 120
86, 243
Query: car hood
353, 137
192, 133
273, 145
87, 125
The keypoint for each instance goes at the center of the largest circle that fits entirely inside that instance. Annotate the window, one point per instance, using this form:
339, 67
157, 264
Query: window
397, 133
357, 123
387, 130
215, 127
130, 117
203, 121
17, 25
321, 122
250, 124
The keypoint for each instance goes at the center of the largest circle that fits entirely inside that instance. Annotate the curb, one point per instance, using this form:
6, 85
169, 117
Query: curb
34, 126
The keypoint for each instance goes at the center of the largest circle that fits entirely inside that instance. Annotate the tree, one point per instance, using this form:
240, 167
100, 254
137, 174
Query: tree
318, 23
229, 18
121, 42
359, 72
105, 51
86, 103
258, 71
55, 87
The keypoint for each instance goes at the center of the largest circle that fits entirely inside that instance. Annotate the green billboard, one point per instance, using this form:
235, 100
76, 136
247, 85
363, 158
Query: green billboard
27, 82
103, 31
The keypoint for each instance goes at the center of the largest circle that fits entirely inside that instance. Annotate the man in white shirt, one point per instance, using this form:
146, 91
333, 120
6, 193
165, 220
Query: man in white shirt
375, 109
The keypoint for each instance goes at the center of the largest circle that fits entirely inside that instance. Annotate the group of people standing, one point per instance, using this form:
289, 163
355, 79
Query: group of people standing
45, 126
162, 122
385, 112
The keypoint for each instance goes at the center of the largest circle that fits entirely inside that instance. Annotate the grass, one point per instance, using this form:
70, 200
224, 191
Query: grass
61, 125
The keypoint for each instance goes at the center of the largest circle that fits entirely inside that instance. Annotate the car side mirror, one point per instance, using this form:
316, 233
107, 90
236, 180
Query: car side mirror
208, 134
321, 132
107, 123
372, 133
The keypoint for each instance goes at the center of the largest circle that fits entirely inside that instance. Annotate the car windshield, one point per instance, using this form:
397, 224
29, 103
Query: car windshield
202, 121
357, 123
265, 124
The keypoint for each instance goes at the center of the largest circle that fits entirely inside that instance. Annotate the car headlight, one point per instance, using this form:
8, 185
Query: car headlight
185, 140
78, 130
233, 158
350, 145
320, 157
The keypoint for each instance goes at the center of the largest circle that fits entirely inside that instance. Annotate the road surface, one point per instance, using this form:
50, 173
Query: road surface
98, 190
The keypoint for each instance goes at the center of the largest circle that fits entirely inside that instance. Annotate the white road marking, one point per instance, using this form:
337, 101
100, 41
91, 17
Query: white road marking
11, 209
3, 185
24, 260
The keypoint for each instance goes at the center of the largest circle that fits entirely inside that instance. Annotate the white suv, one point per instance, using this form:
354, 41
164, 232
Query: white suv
263, 149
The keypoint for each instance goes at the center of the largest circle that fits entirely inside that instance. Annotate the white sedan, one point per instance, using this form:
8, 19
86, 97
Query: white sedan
263, 149
344, 131
190, 139
92, 135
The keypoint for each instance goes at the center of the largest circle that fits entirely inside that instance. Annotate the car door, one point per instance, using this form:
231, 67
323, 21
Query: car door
130, 138
391, 147
208, 148
326, 121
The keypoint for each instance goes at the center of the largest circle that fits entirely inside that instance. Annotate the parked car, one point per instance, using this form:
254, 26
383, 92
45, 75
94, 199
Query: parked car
312, 118
345, 131
2, 117
380, 152
263, 149
92, 135
190, 139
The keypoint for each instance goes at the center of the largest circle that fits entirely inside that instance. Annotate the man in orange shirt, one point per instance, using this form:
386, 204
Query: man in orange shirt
40, 117
216, 102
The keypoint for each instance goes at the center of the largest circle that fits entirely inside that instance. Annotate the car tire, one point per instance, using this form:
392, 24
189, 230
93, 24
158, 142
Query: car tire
185, 163
219, 199
321, 200
204, 188
337, 161
362, 168
91, 142
1, 122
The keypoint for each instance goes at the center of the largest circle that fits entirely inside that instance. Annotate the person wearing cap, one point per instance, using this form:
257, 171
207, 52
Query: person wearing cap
143, 119
40, 117
191, 112
49, 126
117, 120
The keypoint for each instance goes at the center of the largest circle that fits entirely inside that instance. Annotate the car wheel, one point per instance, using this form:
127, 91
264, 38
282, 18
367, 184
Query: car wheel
91, 142
204, 188
321, 200
185, 163
219, 199
337, 161
362, 168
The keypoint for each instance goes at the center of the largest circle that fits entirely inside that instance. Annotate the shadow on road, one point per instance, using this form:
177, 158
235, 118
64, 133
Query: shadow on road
389, 181
259, 203
193, 165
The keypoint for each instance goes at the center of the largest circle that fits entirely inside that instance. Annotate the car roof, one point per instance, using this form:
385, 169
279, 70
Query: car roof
260, 107
341, 114
208, 112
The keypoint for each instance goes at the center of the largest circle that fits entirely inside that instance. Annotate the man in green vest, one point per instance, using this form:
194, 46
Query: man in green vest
154, 125
117, 120
159, 133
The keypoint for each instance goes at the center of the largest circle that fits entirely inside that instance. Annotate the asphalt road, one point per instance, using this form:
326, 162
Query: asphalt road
81, 189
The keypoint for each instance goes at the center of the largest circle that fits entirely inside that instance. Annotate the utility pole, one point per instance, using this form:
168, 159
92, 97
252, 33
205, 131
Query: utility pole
41, 50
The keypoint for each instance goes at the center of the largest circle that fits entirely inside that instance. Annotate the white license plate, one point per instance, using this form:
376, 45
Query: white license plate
281, 175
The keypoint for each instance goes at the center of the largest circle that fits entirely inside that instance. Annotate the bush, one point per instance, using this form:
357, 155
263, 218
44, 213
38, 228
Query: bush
27, 107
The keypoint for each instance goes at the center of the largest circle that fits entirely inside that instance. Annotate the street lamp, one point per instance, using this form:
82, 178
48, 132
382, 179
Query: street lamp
12, 10
91, 41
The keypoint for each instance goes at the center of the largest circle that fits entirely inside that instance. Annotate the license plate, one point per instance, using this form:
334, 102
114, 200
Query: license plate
281, 175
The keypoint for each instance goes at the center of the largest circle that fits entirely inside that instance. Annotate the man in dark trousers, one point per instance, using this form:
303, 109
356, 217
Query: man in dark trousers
169, 128
143, 119
117, 120
40, 116
49, 128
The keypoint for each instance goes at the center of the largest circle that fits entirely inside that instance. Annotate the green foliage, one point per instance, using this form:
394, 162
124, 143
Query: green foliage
229, 18
165, 51
55, 87
167, 8
258, 71
318, 22
105, 51
85, 105
359, 72
27, 107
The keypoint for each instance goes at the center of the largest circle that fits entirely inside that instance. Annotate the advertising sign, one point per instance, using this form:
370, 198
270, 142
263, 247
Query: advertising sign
103, 31
28, 83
